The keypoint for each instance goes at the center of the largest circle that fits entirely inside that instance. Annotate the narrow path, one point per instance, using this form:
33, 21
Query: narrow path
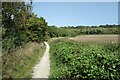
41, 70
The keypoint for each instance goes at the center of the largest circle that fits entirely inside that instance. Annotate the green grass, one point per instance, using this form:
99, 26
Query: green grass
84, 60
25, 70
24, 67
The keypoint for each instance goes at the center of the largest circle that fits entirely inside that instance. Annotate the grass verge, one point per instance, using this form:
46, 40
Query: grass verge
20, 63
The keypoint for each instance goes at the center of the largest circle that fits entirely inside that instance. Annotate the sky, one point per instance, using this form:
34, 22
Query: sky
77, 13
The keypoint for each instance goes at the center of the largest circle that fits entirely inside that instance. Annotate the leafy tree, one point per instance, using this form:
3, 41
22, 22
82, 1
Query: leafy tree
14, 16
36, 28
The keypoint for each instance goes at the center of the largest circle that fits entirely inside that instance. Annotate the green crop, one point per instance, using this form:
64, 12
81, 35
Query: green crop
72, 60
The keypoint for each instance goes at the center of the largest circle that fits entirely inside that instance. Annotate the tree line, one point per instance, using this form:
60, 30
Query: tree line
20, 25
72, 31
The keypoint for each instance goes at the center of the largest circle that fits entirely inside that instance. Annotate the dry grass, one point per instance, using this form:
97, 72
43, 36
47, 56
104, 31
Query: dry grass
96, 38
15, 62
28, 49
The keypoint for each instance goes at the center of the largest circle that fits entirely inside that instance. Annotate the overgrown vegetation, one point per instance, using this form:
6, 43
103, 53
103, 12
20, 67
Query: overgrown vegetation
20, 63
19, 27
84, 60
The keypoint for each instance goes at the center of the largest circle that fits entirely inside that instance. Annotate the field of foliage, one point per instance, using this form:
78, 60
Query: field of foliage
84, 60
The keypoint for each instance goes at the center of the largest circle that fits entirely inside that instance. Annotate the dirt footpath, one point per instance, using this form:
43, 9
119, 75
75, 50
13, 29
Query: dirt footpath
41, 70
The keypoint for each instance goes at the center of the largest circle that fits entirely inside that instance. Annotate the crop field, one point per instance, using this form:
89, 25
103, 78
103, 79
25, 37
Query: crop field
96, 38
84, 60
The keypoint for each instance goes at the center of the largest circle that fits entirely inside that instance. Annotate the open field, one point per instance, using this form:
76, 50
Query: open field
96, 38
76, 60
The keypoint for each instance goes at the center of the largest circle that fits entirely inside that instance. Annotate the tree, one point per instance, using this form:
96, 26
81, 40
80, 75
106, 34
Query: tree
14, 16
36, 28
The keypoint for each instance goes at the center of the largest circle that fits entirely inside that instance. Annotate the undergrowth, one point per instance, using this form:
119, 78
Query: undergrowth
84, 60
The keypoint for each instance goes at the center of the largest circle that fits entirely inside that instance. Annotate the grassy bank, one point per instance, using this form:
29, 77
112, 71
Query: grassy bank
20, 63
84, 60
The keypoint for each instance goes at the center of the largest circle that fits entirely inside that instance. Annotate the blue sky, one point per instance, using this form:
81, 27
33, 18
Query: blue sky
77, 13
